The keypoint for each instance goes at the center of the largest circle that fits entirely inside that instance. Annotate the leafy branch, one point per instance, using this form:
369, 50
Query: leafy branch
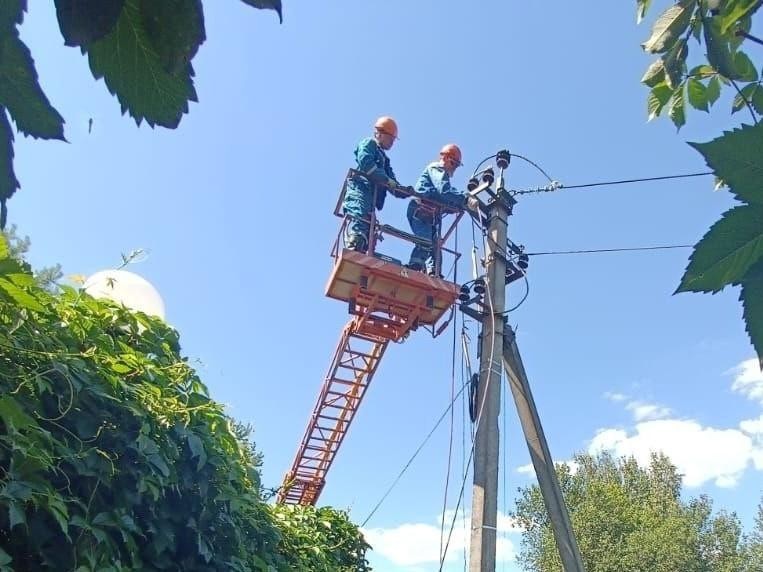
142, 49
731, 252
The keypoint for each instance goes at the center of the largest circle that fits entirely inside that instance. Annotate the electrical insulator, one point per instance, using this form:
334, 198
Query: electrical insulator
464, 294
523, 261
472, 184
479, 286
488, 176
502, 159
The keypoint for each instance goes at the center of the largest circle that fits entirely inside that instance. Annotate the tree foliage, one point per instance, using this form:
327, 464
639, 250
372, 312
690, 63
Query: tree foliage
141, 48
731, 253
114, 457
628, 517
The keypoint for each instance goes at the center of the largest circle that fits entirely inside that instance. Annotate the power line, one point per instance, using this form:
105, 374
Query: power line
556, 186
597, 250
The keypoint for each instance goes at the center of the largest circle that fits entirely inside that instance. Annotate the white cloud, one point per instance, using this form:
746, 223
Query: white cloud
643, 411
701, 453
616, 397
748, 380
527, 469
412, 544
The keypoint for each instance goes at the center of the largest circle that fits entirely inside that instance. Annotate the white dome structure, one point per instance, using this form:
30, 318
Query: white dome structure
126, 288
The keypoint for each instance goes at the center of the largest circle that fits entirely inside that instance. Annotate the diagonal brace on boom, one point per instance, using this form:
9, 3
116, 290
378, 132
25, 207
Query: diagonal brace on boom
352, 368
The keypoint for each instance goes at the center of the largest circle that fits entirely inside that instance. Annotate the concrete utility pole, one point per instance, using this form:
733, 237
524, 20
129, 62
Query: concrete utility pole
488, 403
541, 456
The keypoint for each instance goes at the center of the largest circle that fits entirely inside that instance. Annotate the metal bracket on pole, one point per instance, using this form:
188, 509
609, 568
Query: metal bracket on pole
540, 455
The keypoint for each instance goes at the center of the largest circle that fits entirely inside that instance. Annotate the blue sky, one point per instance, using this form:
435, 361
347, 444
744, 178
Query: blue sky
235, 210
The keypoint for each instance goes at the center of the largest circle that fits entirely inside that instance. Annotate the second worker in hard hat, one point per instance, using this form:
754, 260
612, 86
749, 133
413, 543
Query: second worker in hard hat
435, 186
377, 177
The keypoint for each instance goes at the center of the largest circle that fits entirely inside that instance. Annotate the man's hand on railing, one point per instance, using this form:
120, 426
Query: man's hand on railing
397, 190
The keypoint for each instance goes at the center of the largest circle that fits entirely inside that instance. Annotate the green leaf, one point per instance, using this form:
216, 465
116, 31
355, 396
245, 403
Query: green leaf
713, 91
4, 252
22, 297
20, 92
718, 50
669, 27
751, 297
675, 62
11, 13
736, 40
697, 94
133, 71
197, 450
757, 100
737, 158
744, 97
696, 27
8, 181
267, 5
657, 99
16, 514
176, 30
744, 67
13, 415
4, 558
726, 252
677, 107
702, 71
739, 9
85, 21
654, 74
643, 6
158, 462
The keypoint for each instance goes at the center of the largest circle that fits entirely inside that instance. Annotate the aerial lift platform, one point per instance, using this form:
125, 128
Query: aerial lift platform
387, 301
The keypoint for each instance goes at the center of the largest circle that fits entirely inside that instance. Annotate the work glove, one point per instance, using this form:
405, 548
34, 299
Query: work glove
472, 203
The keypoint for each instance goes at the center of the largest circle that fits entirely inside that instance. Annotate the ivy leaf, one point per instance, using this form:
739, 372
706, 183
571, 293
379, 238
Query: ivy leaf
669, 27
20, 92
745, 96
654, 74
176, 30
697, 94
675, 62
8, 181
82, 22
751, 297
718, 50
267, 5
16, 514
133, 71
713, 91
14, 417
744, 67
737, 158
739, 9
757, 100
677, 107
21, 297
726, 252
657, 99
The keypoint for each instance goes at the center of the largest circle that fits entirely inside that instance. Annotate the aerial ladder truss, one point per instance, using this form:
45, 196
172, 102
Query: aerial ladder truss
386, 301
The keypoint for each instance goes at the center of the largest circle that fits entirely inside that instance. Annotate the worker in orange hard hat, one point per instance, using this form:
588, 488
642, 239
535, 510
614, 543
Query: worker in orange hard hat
377, 176
434, 185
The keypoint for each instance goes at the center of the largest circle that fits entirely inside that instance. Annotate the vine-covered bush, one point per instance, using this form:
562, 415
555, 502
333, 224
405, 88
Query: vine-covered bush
113, 456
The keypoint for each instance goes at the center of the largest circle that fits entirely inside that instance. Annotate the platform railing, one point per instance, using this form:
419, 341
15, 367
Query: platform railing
379, 230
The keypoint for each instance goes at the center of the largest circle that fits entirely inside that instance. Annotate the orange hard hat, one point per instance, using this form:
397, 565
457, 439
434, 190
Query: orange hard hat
386, 125
452, 152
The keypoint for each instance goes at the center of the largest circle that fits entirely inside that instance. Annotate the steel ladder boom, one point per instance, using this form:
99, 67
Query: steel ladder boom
357, 356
